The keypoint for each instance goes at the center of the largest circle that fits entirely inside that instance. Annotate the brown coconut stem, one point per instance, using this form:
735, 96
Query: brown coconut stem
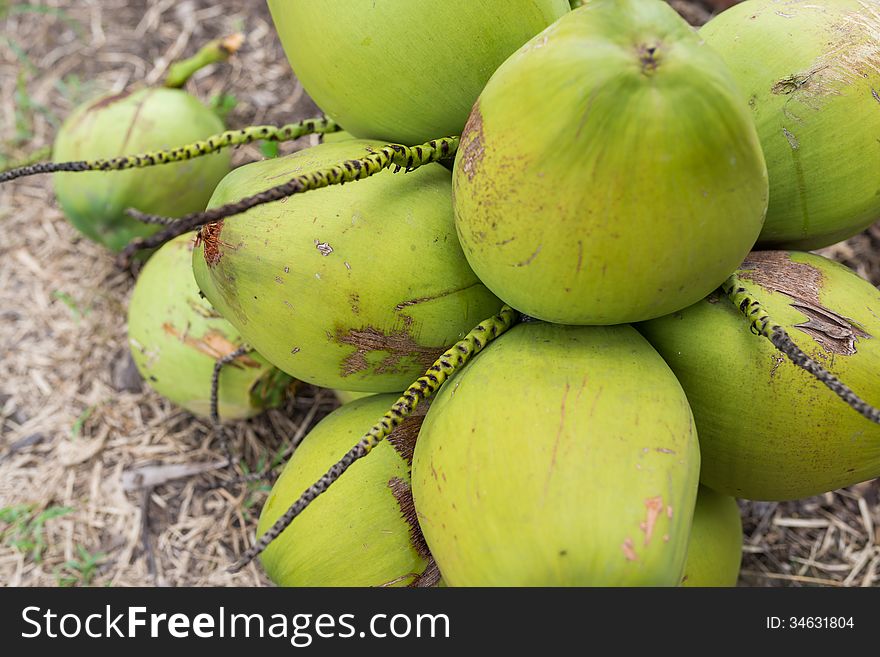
215, 379
212, 144
222, 436
392, 155
268, 472
429, 577
218, 50
762, 324
448, 364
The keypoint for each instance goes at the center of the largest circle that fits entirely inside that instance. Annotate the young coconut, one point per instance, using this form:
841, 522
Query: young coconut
176, 338
810, 72
610, 171
583, 473
364, 532
358, 287
347, 396
767, 430
130, 122
400, 70
450, 362
715, 544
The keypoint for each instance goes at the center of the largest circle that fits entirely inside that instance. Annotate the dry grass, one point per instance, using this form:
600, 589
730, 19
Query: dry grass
74, 419
75, 424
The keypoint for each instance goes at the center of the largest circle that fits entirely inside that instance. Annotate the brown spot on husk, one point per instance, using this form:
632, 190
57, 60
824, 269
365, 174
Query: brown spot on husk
402, 492
774, 270
472, 153
654, 506
415, 302
109, 100
629, 550
531, 258
399, 345
213, 344
134, 121
430, 577
648, 58
404, 437
854, 51
210, 234
791, 83
200, 309
412, 577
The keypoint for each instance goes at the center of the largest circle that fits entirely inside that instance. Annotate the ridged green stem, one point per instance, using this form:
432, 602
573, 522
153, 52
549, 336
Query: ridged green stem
212, 144
218, 50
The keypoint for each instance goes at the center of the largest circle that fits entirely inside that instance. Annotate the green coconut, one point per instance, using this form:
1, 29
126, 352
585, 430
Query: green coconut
363, 531
339, 135
400, 70
811, 74
768, 430
610, 171
358, 287
583, 473
176, 337
715, 545
346, 396
128, 123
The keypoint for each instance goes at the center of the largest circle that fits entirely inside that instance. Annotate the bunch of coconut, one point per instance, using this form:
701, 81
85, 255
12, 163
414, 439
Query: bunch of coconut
595, 258
617, 183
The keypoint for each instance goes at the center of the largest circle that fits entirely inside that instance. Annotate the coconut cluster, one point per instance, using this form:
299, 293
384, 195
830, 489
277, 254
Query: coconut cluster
614, 172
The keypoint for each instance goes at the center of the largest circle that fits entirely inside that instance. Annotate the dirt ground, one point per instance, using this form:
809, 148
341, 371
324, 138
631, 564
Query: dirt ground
76, 424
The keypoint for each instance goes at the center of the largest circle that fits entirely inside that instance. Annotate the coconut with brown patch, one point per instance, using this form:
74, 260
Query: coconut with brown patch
610, 171
810, 71
357, 287
144, 120
768, 430
582, 473
176, 338
361, 532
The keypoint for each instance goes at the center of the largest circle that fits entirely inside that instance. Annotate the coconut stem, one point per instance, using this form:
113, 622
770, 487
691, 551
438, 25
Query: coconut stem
393, 155
762, 324
33, 158
215, 379
267, 473
219, 364
218, 50
450, 362
212, 144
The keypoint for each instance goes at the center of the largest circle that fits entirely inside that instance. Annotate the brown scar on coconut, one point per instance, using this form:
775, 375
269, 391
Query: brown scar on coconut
399, 344
776, 270
472, 154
